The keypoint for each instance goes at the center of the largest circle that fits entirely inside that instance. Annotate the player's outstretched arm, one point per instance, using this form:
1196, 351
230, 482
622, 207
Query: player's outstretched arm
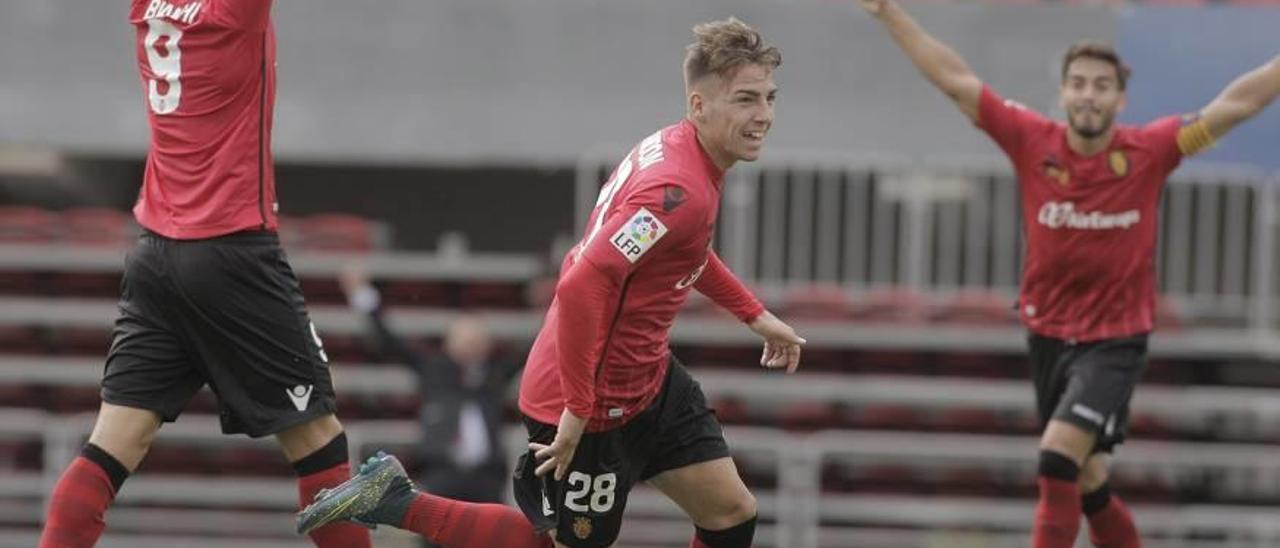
1242, 99
939, 63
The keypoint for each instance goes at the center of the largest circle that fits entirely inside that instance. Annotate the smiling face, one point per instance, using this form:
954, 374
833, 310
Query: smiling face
728, 74
734, 116
1091, 97
1093, 89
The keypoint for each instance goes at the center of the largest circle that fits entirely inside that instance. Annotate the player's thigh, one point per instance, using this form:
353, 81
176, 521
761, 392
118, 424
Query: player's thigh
711, 493
149, 376
247, 321
1102, 379
1047, 357
307, 438
125, 433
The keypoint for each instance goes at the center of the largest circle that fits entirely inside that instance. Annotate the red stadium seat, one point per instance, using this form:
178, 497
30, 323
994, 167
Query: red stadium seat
492, 295
98, 226
809, 416
84, 284
886, 417
818, 302
973, 420
339, 232
416, 293
1142, 425
881, 479
22, 340
975, 308
81, 341
890, 306
969, 482
27, 225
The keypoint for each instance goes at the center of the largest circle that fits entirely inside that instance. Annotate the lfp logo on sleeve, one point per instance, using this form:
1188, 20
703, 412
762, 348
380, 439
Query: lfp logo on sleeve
638, 235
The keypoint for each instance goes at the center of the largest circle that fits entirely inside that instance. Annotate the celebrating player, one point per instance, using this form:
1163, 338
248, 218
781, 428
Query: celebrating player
208, 296
605, 403
1090, 192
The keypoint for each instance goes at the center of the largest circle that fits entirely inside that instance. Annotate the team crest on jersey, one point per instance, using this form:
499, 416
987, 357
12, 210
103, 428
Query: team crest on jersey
1119, 163
1054, 170
638, 235
581, 528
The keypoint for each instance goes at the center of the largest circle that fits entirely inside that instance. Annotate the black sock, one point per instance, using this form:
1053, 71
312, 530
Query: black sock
324, 458
1097, 501
1057, 466
116, 471
738, 536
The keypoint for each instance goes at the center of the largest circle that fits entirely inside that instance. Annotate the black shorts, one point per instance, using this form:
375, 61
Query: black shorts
1088, 384
586, 508
225, 311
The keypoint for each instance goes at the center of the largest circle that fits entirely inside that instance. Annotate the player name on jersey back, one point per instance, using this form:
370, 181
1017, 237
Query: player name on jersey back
160, 9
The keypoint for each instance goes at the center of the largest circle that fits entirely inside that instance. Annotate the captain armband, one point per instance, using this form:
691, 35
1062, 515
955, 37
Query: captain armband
1194, 137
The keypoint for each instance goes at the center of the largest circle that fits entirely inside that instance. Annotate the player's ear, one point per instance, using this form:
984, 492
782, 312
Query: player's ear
697, 105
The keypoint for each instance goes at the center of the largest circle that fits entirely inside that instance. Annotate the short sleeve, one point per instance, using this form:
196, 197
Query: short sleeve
243, 14
1007, 122
647, 222
1162, 136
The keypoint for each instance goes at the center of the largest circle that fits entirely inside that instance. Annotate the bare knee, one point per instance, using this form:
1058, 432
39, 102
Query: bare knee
307, 438
1068, 440
125, 433
1093, 474
736, 510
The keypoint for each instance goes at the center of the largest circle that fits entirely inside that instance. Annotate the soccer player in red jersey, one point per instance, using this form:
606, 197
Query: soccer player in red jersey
208, 296
1090, 192
605, 403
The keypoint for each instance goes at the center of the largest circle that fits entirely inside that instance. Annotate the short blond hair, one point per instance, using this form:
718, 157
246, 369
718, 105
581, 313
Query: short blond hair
722, 47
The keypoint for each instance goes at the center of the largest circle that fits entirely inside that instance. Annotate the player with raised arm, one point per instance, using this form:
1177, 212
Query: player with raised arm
605, 403
1090, 194
208, 296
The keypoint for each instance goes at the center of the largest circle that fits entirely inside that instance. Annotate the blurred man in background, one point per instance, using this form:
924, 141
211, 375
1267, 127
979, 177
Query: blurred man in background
208, 296
605, 402
463, 393
1090, 193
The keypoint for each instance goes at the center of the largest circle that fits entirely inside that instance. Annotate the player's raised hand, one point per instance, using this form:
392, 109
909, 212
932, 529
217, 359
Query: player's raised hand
559, 454
781, 343
874, 7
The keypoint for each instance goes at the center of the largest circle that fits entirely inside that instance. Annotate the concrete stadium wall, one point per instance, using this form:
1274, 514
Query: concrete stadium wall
513, 82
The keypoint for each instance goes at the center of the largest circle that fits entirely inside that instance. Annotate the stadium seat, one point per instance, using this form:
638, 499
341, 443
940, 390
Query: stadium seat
816, 302
970, 482
339, 232
972, 420
22, 283
322, 291
84, 284
27, 225
98, 226
893, 305
885, 417
415, 293
806, 416
81, 341
491, 295
975, 308
22, 340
